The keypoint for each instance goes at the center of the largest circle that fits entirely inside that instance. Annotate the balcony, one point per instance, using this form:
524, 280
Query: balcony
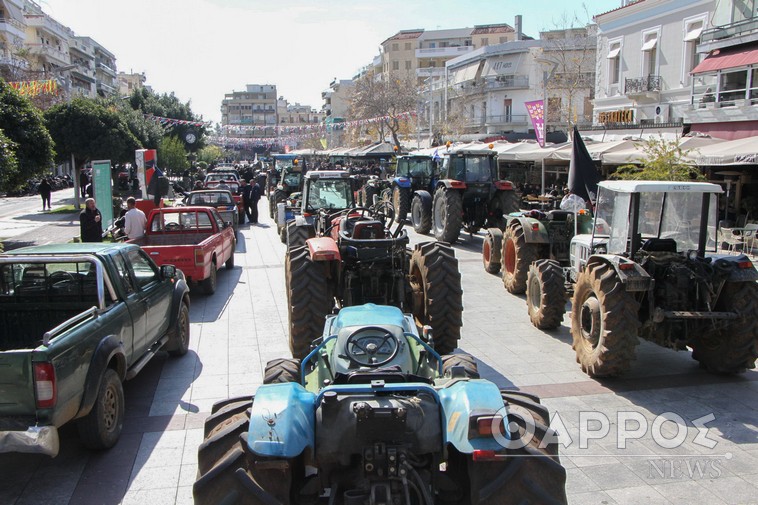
732, 34
643, 86
15, 28
498, 83
48, 24
443, 52
57, 56
430, 72
84, 74
11, 61
105, 89
503, 120
106, 69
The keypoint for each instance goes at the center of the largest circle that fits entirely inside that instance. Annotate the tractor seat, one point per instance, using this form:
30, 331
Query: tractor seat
659, 245
364, 229
559, 215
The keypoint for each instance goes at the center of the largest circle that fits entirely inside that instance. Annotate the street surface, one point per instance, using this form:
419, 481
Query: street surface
22, 221
237, 330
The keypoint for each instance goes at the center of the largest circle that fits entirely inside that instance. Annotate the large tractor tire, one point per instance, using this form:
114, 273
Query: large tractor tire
368, 195
437, 296
298, 235
282, 370
604, 322
279, 196
227, 472
732, 348
492, 248
466, 361
516, 257
447, 215
546, 294
421, 216
271, 206
509, 201
401, 200
309, 300
532, 475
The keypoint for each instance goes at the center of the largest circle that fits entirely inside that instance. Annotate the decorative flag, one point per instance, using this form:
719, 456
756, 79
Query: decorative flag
536, 110
582, 176
35, 88
436, 156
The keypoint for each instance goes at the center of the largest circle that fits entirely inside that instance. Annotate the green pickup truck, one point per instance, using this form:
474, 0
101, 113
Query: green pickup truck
76, 320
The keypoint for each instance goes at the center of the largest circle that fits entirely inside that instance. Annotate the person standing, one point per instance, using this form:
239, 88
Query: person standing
252, 207
244, 192
134, 220
91, 222
44, 191
83, 182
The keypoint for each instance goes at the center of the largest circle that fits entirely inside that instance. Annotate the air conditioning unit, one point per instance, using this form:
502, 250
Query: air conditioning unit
661, 113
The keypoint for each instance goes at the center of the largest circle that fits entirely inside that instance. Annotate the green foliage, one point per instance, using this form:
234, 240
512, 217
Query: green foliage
166, 105
90, 131
202, 165
210, 154
664, 161
148, 132
27, 149
172, 155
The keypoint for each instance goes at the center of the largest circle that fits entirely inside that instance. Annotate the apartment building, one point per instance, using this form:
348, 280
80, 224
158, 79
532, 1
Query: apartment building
46, 39
724, 85
253, 111
296, 114
646, 51
106, 73
82, 53
12, 36
127, 83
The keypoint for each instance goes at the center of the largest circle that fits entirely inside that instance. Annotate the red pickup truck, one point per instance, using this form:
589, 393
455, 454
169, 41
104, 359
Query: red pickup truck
195, 239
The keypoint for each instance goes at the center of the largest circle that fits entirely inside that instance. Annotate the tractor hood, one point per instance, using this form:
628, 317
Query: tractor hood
368, 315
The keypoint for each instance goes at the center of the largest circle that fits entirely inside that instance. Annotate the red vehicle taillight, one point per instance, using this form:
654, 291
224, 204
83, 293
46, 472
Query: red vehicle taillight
199, 257
503, 185
457, 184
44, 385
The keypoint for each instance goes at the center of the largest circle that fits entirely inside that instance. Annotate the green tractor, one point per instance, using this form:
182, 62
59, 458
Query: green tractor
289, 179
373, 415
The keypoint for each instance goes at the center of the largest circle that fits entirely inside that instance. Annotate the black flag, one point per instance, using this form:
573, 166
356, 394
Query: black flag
583, 176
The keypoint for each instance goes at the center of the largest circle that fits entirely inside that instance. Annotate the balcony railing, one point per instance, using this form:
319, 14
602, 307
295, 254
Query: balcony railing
499, 120
501, 82
47, 23
105, 68
730, 30
52, 52
430, 71
642, 84
443, 52
10, 22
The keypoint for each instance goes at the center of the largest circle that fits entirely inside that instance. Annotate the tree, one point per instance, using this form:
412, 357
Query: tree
90, 131
8, 161
210, 154
664, 161
148, 132
166, 105
28, 141
387, 99
172, 156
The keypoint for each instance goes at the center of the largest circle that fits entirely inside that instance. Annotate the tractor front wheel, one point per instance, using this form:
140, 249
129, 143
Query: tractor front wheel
604, 322
421, 215
516, 257
546, 294
437, 297
282, 370
731, 349
447, 214
309, 299
463, 360
401, 200
491, 250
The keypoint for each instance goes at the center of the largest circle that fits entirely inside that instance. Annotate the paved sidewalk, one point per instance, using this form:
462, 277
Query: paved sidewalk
237, 330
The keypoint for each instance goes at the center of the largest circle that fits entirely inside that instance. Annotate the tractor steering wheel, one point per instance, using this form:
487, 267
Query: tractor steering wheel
371, 346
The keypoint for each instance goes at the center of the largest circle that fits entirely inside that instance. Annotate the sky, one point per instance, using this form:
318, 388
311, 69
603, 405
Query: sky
202, 49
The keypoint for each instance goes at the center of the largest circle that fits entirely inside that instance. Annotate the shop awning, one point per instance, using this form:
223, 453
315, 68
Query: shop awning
650, 43
466, 73
721, 59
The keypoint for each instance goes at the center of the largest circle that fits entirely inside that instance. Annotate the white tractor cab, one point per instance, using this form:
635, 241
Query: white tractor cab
650, 269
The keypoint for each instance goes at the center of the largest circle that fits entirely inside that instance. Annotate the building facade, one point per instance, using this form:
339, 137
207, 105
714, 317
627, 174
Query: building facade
296, 114
253, 112
106, 72
646, 52
46, 41
127, 83
724, 85
83, 80
12, 37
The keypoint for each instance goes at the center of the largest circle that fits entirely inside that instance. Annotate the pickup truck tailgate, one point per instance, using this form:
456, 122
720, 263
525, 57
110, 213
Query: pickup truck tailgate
181, 256
16, 384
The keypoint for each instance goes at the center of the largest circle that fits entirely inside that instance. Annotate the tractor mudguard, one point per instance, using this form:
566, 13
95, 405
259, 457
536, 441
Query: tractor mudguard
282, 420
534, 230
426, 198
451, 184
462, 399
323, 249
402, 182
301, 220
741, 268
632, 275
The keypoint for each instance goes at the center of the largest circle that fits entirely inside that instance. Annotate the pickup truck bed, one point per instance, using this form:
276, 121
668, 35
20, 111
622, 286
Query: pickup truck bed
171, 240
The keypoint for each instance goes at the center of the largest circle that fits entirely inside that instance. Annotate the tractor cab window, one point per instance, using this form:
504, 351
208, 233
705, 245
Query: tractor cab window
292, 179
612, 219
681, 220
479, 168
330, 194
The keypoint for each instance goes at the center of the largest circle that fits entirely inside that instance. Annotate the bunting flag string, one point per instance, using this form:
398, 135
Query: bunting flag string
35, 88
167, 121
321, 127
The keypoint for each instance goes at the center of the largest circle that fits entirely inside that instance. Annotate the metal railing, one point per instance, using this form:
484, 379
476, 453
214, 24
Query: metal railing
730, 30
642, 84
502, 119
12, 22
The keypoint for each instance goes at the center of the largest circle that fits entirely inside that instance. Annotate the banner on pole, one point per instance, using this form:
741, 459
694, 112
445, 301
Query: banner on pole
536, 110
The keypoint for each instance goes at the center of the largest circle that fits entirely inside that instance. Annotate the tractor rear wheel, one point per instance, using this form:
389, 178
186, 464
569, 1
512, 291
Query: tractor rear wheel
516, 257
282, 370
546, 294
437, 297
732, 348
509, 201
604, 322
464, 360
401, 200
298, 235
227, 472
421, 215
368, 195
309, 299
447, 215
533, 474
492, 248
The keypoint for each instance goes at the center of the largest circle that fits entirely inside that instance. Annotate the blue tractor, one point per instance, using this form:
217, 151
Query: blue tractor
374, 416
415, 172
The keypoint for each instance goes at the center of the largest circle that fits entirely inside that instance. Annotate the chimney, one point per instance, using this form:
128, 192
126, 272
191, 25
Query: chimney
517, 27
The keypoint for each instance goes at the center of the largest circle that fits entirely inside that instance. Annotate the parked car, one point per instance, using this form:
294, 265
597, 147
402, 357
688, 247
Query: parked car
220, 199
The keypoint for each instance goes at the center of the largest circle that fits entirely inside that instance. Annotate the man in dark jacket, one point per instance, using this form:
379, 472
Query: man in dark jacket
91, 222
44, 191
255, 195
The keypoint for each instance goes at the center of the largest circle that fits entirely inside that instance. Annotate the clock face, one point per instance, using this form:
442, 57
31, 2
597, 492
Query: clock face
190, 138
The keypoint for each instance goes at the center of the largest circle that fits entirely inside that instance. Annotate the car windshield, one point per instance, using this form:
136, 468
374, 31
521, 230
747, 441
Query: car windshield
215, 198
414, 167
330, 194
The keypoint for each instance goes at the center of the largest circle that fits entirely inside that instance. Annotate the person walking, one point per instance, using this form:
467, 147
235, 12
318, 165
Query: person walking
91, 222
252, 207
44, 191
83, 182
134, 220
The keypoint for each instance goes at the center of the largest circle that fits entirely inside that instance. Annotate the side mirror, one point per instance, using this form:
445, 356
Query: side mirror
168, 271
